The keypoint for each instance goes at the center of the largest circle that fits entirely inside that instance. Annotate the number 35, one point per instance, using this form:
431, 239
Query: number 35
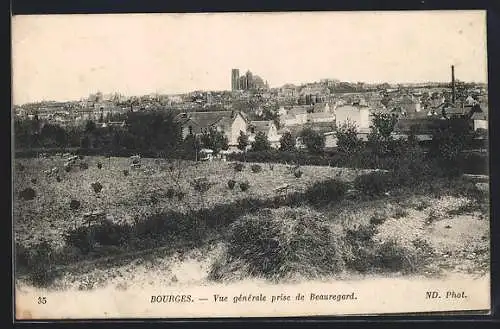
42, 300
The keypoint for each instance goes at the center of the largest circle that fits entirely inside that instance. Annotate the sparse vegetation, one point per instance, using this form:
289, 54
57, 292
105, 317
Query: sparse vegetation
27, 194
374, 184
161, 206
322, 193
244, 186
239, 166
256, 168
97, 187
231, 183
400, 212
74, 204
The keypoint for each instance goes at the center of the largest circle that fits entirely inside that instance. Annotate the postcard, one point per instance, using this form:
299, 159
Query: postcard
215, 165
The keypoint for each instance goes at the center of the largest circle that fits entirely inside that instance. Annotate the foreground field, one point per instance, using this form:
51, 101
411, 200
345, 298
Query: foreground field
439, 228
142, 192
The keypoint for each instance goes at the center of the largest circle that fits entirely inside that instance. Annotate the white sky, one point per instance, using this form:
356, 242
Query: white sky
63, 57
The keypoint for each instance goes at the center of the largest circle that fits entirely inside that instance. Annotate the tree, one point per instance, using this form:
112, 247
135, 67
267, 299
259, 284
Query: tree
90, 126
348, 141
380, 136
261, 142
214, 140
85, 142
287, 142
243, 141
53, 135
154, 130
383, 125
272, 115
313, 140
191, 145
450, 140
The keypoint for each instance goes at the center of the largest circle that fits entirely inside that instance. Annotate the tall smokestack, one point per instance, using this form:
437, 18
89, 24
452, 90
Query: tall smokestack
453, 84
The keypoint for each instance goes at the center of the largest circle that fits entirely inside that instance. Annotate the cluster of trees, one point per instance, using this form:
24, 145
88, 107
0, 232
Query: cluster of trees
313, 140
144, 131
157, 132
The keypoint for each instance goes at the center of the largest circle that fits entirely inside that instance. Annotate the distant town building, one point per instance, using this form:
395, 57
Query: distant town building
228, 122
356, 114
247, 81
235, 79
266, 127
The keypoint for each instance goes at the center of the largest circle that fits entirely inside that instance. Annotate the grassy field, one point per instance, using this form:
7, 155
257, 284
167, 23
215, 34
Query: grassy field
449, 226
142, 192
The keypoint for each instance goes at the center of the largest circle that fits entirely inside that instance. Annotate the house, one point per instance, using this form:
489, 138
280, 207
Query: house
470, 100
296, 115
282, 111
321, 107
479, 116
409, 104
356, 114
325, 128
266, 127
230, 123
320, 117
479, 120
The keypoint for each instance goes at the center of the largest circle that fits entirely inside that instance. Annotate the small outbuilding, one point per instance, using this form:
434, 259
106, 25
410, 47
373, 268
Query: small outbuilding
206, 155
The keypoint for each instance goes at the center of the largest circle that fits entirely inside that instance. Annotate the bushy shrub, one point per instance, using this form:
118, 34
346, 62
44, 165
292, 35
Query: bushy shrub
282, 243
256, 168
97, 187
375, 183
80, 238
327, 191
244, 186
239, 166
395, 257
378, 218
360, 252
74, 204
201, 184
170, 193
125, 172
99, 165
231, 183
108, 233
27, 194
180, 195
41, 271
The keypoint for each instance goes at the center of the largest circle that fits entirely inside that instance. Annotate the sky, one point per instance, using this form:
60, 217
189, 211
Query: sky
67, 57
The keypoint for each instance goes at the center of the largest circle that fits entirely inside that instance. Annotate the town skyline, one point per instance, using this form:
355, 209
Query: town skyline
109, 53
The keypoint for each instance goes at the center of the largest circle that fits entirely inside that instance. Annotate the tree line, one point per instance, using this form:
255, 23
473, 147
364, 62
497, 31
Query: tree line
157, 132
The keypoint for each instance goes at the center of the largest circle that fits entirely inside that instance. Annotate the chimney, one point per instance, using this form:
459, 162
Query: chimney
453, 84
